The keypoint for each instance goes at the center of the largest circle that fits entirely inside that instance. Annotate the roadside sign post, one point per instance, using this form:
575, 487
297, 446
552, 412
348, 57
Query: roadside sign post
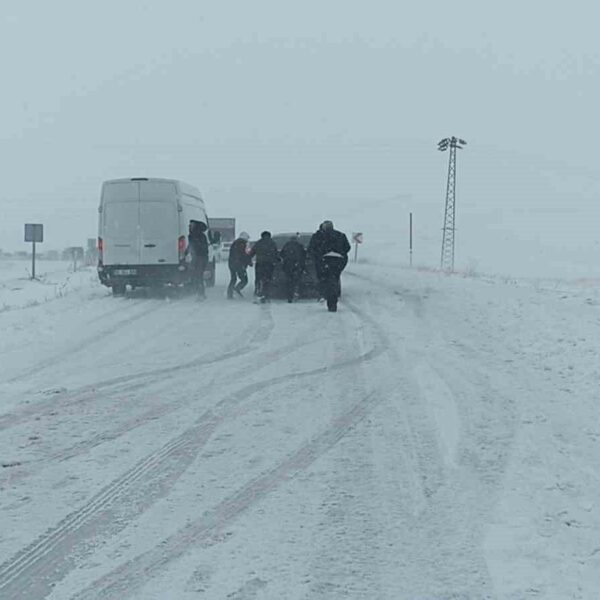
34, 233
357, 238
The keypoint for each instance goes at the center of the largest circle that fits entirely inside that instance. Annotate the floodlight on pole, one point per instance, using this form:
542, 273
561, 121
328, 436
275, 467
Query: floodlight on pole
447, 258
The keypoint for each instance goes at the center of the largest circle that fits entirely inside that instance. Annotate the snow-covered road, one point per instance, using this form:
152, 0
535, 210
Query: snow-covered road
436, 438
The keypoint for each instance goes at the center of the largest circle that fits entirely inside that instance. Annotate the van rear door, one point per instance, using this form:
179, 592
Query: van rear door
159, 223
120, 223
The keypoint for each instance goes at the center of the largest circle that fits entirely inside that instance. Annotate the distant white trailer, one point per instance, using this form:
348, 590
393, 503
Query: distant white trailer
223, 230
142, 232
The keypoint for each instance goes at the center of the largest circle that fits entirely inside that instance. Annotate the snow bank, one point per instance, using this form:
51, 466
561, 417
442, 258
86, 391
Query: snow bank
54, 279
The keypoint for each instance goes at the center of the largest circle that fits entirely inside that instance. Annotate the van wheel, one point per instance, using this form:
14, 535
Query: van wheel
118, 290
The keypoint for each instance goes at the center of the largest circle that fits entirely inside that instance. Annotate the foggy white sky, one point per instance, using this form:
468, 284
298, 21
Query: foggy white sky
288, 112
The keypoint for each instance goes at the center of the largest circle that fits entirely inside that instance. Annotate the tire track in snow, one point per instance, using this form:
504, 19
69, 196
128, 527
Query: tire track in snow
265, 358
460, 492
488, 450
97, 317
34, 570
31, 572
115, 327
422, 434
465, 374
412, 298
259, 333
346, 536
133, 574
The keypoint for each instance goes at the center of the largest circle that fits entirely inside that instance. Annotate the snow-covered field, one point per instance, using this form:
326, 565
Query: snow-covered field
437, 438
54, 279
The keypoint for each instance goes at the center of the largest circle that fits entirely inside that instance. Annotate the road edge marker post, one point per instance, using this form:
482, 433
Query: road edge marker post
357, 238
410, 238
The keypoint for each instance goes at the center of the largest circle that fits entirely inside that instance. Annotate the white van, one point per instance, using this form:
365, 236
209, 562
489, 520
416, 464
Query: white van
142, 232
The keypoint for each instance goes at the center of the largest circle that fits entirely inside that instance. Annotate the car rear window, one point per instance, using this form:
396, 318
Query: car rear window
280, 240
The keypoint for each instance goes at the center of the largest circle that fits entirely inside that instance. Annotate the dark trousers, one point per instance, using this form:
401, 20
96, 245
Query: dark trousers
330, 270
293, 277
198, 267
237, 273
263, 272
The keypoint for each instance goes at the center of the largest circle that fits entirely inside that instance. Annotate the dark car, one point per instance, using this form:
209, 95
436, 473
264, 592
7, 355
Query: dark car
308, 284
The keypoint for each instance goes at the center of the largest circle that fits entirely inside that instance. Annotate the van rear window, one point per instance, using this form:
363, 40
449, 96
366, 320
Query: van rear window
122, 191
156, 191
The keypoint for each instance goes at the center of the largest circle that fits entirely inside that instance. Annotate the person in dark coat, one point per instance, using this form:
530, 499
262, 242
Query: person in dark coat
267, 256
293, 258
329, 249
239, 261
198, 249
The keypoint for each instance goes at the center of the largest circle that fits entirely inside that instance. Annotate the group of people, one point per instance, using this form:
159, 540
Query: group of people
328, 249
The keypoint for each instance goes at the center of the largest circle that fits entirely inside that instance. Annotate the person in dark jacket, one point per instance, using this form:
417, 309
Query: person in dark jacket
329, 249
239, 261
293, 258
267, 256
198, 250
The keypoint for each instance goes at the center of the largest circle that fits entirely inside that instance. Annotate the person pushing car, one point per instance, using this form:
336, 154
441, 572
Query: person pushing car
238, 262
293, 258
329, 249
267, 256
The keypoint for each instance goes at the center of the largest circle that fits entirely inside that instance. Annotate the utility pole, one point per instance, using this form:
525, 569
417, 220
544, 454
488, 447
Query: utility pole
447, 259
410, 238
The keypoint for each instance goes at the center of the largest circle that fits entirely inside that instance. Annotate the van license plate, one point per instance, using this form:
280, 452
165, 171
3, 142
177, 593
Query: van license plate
125, 272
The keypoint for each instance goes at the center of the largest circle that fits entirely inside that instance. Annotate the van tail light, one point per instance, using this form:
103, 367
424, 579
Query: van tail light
100, 250
181, 246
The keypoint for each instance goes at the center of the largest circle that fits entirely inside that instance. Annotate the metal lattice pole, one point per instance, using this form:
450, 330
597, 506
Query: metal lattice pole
447, 260
448, 243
